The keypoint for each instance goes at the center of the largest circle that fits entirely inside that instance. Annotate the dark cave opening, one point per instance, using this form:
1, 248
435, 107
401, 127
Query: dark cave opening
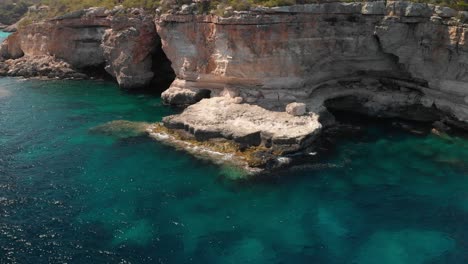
164, 75
351, 111
357, 104
97, 72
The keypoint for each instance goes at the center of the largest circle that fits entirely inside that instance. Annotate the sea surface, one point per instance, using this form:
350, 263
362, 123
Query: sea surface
3, 35
67, 195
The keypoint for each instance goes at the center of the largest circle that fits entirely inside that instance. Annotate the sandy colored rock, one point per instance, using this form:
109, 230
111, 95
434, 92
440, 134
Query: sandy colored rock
123, 41
321, 47
127, 49
244, 123
184, 96
296, 109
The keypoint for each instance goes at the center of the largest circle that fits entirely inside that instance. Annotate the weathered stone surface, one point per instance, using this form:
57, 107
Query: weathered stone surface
445, 12
463, 16
387, 59
12, 28
272, 59
127, 48
10, 48
121, 40
374, 8
184, 96
244, 123
39, 66
296, 109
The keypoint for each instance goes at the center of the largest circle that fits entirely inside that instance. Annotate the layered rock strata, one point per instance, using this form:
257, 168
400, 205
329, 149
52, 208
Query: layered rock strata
273, 74
275, 56
119, 40
387, 59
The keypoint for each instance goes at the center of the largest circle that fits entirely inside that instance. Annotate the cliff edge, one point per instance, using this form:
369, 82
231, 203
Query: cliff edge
252, 75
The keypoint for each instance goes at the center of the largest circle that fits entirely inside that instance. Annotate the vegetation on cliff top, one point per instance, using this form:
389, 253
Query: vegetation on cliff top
12, 10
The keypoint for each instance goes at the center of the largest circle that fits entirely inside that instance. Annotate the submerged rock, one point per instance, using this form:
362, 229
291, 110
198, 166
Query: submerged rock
121, 129
403, 247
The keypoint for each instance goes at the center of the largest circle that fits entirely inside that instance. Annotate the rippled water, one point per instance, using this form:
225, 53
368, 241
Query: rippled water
70, 196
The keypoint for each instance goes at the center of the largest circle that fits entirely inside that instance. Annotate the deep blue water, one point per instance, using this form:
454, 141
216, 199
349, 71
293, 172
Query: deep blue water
70, 196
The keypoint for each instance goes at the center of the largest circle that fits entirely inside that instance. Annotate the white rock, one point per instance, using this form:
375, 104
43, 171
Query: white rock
231, 93
296, 109
238, 100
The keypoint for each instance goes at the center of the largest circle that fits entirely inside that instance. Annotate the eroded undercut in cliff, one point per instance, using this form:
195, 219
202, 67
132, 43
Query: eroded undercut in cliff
362, 104
164, 75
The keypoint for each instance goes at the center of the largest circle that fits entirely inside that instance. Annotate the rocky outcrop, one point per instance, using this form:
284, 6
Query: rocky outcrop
272, 57
128, 47
121, 41
11, 28
274, 74
39, 66
222, 117
386, 59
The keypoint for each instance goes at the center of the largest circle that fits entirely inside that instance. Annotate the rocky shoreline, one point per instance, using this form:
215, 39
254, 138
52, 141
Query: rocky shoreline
263, 83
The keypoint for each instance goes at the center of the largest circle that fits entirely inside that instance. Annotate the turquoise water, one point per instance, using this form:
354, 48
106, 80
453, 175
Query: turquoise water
70, 196
3, 35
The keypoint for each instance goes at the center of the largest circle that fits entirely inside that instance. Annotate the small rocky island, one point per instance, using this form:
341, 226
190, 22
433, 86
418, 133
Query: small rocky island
258, 85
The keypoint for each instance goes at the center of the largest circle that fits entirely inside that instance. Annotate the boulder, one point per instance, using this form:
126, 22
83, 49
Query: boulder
184, 96
246, 124
296, 109
445, 12
418, 10
11, 48
373, 8
463, 16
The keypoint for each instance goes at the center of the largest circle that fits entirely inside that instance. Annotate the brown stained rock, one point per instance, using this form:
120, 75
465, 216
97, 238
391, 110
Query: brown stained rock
287, 53
127, 48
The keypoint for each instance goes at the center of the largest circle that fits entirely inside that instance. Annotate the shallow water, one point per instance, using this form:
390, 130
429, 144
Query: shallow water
68, 195
3, 36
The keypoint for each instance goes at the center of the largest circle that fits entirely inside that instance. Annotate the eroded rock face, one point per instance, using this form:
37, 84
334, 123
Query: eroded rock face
121, 41
272, 57
223, 117
128, 47
39, 66
385, 59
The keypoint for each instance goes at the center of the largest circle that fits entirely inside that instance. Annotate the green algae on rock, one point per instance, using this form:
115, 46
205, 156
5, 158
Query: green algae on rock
121, 129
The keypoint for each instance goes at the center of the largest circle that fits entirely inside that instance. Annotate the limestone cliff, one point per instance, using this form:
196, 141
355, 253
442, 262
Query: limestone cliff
390, 54
268, 70
121, 41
